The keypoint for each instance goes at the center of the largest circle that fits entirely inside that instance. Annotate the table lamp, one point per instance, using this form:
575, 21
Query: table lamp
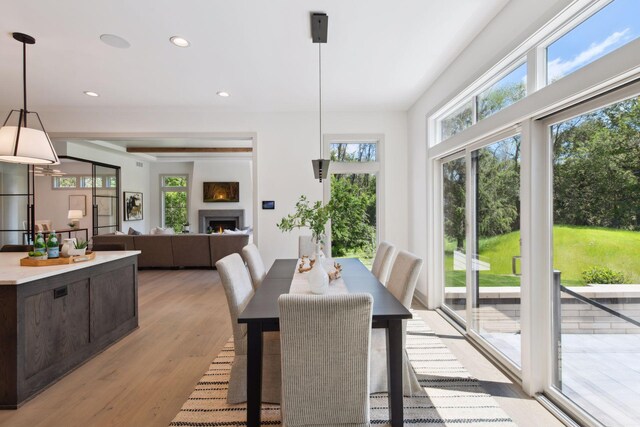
74, 216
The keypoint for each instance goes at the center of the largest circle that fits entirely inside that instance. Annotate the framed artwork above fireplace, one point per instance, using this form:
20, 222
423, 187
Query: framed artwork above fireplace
221, 192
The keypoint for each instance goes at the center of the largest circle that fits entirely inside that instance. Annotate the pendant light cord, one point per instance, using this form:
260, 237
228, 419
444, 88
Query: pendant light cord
320, 90
24, 80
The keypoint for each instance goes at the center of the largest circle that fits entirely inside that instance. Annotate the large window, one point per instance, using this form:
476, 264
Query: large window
496, 257
537, 235
613, 26
504, 92
454, 193
175, 207
596, 260
354, 188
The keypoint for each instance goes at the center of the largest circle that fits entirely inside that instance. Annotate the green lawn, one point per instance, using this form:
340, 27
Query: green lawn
575, 250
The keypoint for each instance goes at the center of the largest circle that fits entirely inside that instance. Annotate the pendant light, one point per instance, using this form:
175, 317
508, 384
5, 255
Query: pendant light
18, 142
319, 24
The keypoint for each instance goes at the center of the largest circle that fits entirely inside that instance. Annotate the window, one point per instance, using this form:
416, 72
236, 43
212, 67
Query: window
457, 121
610, 28
353, 152
496, 253
88, 182
505, 92
175, 208
354, 184
454, 224
596, 242
64, 182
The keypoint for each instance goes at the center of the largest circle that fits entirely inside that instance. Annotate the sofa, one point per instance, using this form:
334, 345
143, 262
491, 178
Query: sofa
178, 250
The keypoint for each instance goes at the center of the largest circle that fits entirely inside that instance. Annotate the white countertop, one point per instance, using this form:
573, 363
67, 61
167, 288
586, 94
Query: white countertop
12, 273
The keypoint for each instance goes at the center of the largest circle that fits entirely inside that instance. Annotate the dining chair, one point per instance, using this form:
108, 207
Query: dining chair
382, 261
252, 257
239, 291
402, 284
325, 343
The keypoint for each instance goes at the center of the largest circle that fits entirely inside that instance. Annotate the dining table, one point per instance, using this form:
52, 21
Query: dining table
262, 315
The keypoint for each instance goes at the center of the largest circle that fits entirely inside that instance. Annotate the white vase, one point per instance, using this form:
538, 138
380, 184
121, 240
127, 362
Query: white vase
318, 277
67, 244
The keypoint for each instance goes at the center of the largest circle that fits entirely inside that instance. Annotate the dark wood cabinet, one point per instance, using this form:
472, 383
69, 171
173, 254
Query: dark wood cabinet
56, 326
50, 326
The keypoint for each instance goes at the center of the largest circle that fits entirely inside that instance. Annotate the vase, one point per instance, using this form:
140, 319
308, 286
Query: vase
318, 277
67, 244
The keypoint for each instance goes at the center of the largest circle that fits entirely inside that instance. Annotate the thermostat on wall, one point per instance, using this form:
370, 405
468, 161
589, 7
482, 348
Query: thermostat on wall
268, 204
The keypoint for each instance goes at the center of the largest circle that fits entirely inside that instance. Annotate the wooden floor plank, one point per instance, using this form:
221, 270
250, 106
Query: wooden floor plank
144, 379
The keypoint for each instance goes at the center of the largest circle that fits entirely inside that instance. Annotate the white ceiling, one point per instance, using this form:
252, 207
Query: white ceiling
381, 55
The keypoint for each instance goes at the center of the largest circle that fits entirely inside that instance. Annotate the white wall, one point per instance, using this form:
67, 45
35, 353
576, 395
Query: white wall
517, 21
286, 143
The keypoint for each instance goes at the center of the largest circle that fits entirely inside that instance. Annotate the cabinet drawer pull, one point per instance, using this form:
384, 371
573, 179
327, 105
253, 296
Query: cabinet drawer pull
60, 292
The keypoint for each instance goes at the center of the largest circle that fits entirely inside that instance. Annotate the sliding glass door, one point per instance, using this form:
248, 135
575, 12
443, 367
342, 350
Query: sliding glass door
596, 257
495, 260
481, 242
454, 178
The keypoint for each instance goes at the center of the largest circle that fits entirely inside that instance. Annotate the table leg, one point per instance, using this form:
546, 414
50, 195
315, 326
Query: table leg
394, 371
254, 373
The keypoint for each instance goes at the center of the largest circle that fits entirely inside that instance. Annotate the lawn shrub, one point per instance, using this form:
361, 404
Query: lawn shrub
603, 275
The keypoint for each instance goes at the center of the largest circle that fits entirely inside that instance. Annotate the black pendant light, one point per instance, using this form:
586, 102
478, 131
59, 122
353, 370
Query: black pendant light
319, 24
20, 143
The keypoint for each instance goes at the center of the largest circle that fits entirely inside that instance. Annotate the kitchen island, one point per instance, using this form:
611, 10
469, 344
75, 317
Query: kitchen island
54, 318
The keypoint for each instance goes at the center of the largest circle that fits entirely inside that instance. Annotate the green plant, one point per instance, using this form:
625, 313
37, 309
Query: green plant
80, 244
603, 275
315, 217
35, 254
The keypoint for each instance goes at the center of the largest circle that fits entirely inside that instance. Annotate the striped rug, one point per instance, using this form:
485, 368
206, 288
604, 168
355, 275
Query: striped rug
453, 396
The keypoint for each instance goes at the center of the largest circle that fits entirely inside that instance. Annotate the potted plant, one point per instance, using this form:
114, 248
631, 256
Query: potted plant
315, 217
79, 248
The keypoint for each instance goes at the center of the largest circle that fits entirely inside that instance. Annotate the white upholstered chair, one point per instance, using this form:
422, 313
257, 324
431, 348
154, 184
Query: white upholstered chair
238, 289
402, 284
382, 262
252, 257
325, 359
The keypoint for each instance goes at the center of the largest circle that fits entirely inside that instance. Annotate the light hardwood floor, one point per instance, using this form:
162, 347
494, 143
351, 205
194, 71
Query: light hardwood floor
523, 410
144, 379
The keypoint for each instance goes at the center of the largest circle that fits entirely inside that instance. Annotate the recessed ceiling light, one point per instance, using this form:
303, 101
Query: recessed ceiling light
89, 93
223, 94
115, 41
179, 41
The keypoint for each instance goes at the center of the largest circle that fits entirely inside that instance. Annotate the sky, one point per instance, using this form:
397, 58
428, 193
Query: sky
613, 26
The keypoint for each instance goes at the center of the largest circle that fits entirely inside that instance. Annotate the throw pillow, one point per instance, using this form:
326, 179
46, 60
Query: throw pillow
133, 232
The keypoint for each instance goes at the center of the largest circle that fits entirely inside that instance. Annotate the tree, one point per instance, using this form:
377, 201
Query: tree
597, 168
353, 218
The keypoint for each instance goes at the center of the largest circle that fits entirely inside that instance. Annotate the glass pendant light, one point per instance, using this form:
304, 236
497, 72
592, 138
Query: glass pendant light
18, 142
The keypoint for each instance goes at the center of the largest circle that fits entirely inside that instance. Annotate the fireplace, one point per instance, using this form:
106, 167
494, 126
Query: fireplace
220, 219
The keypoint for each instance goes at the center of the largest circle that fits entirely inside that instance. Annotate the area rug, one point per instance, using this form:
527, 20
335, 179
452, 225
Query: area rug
453, 396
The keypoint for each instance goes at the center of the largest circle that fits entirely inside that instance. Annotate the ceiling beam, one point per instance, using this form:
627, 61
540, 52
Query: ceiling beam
189, 149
